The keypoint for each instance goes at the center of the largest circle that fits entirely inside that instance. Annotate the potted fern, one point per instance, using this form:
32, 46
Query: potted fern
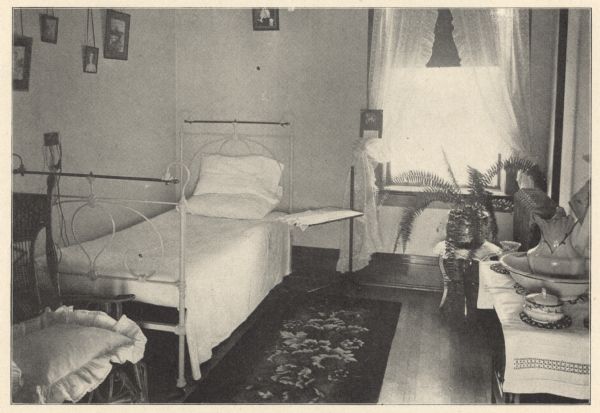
472, 218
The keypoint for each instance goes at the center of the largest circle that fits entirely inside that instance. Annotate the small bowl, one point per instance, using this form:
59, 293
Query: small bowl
510, 246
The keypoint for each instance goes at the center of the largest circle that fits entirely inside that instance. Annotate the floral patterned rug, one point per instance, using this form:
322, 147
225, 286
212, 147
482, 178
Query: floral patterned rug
312, 349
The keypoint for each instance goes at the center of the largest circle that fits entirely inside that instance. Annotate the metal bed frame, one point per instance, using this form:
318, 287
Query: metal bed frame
93, 201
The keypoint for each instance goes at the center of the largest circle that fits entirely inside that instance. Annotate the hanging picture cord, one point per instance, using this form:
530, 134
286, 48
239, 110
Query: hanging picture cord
90, 16
21, 15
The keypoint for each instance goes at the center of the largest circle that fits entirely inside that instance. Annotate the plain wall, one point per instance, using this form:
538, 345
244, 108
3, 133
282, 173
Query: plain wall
119, 121
313, 72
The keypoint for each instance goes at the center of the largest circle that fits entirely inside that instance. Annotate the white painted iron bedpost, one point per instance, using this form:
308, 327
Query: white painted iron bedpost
181, 327
181, 330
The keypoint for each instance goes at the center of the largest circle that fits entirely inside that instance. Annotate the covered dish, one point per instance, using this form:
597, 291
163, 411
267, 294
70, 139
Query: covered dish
543, 307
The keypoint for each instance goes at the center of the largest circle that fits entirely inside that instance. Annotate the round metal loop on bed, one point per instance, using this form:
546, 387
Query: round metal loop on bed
92, 263
160, 240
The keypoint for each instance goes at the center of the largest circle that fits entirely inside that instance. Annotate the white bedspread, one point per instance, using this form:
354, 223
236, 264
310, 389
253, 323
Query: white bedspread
231, 265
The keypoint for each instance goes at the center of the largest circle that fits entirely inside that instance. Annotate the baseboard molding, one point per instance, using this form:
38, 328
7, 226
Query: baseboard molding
415, 272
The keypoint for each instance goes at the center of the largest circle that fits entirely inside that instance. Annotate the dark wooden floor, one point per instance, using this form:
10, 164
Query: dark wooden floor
435, 357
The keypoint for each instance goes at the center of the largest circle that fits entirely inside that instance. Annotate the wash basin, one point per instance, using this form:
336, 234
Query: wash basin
565, 287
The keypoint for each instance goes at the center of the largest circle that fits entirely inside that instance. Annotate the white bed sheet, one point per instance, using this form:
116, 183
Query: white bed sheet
231, 265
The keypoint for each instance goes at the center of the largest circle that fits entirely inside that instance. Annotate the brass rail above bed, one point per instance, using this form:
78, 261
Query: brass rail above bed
246, 122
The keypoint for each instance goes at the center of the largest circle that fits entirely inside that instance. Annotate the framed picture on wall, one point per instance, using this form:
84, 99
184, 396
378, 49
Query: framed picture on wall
371, 123
90, 59
21, 62
48, 28
265, 19
116, 35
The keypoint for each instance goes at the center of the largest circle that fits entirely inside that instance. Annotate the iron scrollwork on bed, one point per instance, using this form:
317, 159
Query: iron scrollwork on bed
134, 262
155, 257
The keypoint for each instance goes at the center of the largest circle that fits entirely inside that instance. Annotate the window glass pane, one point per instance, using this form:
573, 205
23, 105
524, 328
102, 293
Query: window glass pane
449, 109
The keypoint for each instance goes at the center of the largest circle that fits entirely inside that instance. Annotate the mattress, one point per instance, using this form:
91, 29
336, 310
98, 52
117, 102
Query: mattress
231, 265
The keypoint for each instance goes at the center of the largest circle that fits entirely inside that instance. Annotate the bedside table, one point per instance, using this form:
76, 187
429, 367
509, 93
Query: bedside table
320, 216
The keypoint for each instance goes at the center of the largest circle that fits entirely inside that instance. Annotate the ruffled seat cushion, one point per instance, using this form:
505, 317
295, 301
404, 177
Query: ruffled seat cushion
65, 354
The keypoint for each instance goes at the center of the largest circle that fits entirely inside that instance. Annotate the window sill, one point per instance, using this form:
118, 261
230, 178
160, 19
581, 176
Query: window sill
414, 190
406, 196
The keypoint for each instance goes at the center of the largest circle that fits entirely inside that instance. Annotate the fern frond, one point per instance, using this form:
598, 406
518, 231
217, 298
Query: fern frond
476, 183
405, 226
515, 163
491, 172
430, 194
425, 179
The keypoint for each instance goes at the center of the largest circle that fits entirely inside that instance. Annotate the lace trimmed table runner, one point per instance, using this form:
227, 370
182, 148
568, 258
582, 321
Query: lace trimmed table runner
538, 360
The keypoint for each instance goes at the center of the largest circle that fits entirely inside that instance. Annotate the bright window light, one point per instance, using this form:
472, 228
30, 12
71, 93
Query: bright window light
449, 108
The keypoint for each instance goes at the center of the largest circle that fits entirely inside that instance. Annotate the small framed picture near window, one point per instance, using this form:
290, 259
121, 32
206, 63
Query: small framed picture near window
265, 19
21, 62
48, 28
116, 35
371, 123
90, 59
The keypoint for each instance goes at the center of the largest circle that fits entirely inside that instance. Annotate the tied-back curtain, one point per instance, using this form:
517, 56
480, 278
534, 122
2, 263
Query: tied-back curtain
494, 45
400, 38
367, 237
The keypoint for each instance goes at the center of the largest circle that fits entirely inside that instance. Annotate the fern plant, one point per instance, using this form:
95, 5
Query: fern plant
472, 218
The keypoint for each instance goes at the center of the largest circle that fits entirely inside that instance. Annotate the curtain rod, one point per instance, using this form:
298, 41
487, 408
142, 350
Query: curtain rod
22, 171
239, 121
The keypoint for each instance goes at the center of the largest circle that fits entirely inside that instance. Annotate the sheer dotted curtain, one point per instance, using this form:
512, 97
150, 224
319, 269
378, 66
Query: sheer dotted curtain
494, 45
401, 38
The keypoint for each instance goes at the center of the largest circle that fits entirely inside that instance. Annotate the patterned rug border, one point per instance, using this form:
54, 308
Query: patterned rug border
337, 356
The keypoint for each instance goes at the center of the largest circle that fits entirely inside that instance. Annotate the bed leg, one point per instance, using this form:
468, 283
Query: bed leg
181, 383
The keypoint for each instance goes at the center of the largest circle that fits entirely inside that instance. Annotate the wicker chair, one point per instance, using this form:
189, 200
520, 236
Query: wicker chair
32, 292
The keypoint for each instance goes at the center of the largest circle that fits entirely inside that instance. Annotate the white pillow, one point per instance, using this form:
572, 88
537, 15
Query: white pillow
46, 356
66, 353
252, 174
237, 206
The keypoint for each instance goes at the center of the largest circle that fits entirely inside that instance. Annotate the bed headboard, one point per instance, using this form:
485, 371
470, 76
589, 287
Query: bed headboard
238, 138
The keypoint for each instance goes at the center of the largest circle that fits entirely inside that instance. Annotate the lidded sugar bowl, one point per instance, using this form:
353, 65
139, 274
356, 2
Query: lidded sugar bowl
543, 307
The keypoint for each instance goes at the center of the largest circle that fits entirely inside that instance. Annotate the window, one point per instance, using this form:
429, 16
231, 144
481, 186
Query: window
446, 115
453, 112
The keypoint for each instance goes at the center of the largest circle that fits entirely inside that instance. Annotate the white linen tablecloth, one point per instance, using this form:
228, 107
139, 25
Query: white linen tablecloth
538, 360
